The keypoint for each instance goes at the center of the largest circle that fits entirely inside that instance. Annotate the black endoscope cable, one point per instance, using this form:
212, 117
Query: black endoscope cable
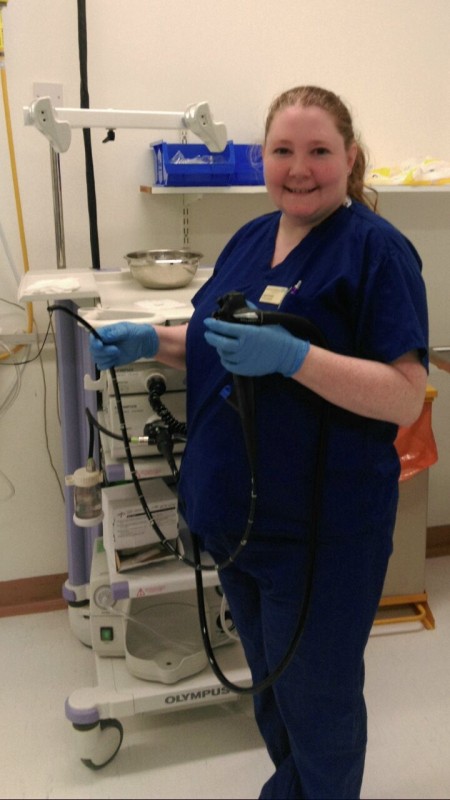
233, 307
167, 544
124, 435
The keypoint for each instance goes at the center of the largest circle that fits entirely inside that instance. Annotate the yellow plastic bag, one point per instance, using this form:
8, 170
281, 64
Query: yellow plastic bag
428, 172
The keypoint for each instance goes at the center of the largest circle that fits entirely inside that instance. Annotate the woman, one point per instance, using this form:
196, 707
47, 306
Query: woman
324, 255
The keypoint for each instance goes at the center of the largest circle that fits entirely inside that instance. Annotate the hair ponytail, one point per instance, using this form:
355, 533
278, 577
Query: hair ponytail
356, 187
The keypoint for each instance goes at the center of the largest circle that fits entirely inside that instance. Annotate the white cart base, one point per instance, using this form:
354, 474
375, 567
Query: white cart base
95, 712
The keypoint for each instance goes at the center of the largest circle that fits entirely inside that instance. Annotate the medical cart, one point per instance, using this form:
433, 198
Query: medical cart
104, 603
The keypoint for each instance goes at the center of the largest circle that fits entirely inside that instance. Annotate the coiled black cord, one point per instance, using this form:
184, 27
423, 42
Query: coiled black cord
245, 399
174, 426
233, 308
167, 544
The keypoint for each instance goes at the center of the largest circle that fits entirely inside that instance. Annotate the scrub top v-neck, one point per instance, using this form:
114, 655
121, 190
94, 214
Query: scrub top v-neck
359, 281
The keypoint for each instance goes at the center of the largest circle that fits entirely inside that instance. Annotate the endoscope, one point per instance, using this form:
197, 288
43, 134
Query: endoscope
234, 308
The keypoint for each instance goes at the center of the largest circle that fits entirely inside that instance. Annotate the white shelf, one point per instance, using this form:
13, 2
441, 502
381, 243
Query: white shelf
164, 577
203, 189
120, 694
417, 189
200, 190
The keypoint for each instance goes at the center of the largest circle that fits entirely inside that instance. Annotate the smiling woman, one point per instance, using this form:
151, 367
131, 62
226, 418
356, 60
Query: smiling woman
318, 98
326, 258
306, 167
312, 161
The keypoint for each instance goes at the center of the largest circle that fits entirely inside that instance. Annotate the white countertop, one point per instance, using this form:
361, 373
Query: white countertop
119, 296
57, 284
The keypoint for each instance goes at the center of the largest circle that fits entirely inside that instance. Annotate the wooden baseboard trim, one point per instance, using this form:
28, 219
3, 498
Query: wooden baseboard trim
32, 595
44, 593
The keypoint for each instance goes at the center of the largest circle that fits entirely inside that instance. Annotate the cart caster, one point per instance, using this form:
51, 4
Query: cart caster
99, 743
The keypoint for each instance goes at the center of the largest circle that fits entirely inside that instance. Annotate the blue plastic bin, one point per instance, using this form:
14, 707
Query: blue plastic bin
238, 165
249, 165
216, 170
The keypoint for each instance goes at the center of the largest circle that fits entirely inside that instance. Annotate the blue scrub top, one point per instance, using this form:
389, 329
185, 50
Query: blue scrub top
360, 283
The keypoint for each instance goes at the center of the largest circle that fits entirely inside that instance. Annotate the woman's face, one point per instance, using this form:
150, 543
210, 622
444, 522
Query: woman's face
306, 165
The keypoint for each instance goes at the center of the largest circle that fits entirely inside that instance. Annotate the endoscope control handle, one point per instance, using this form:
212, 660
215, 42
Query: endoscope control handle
233, 308
229, 305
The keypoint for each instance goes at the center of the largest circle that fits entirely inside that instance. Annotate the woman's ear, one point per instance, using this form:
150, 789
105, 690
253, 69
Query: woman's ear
351, 156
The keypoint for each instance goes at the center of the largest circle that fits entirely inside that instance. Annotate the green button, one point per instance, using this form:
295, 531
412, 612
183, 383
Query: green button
106, 634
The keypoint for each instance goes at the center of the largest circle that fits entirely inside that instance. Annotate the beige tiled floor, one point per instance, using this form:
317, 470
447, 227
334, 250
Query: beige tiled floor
215, 751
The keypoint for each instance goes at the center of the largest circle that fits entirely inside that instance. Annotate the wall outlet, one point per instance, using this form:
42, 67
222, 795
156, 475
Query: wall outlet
52, 90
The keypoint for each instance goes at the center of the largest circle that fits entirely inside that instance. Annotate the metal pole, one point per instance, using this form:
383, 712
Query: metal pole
58, 210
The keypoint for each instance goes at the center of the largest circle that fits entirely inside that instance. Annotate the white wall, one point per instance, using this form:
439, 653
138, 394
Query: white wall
387, 58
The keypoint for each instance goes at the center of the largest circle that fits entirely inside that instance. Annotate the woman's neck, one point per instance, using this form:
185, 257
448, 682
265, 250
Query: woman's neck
288, 237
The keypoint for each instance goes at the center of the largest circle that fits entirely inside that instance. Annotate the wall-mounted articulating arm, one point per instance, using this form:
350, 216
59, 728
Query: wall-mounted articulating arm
56, 123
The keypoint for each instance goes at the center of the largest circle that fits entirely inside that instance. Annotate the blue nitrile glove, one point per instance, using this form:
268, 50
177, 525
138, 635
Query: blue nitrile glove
253, 350
123, 343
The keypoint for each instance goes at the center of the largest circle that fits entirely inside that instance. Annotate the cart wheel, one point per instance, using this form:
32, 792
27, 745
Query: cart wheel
101, 740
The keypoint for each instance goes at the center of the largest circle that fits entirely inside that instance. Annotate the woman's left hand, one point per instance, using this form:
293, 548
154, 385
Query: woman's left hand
253, 350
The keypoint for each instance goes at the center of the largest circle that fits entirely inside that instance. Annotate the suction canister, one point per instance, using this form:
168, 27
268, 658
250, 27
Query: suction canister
87, 496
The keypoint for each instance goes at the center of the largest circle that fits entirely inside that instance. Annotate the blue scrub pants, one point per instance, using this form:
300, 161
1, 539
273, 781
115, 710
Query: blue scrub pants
313, 720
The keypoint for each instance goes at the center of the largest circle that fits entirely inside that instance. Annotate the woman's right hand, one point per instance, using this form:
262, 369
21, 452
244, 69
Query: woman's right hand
123, 343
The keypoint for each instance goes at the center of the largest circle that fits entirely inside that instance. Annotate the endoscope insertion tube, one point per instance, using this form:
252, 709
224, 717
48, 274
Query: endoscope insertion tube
233, 308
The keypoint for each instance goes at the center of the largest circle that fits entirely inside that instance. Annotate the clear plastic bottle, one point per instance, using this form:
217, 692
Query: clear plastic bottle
87, 496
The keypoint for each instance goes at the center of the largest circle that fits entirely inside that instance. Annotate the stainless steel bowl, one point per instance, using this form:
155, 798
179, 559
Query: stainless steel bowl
163, 269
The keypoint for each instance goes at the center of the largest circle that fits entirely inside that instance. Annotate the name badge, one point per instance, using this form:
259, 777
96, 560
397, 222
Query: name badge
274, 295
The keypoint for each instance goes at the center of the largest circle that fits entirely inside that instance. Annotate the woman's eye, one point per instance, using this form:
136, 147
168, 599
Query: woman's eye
321, 151
281, 151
